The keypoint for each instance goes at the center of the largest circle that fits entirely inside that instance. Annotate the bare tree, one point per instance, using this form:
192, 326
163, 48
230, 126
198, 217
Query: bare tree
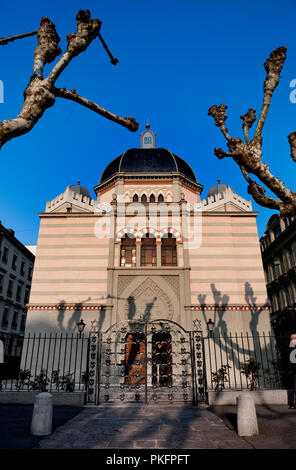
41, 92
248, 154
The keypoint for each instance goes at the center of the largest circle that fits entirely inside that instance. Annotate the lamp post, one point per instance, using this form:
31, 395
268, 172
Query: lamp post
210, 325
80, 326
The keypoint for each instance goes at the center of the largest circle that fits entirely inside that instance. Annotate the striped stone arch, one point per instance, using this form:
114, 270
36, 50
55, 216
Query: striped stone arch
173, 232
124, 231
145, 230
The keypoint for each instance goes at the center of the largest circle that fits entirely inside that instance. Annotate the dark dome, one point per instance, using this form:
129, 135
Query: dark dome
218, 188
148, 160
76, 188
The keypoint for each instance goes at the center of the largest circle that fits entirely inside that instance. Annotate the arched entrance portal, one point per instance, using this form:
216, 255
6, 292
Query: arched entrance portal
144, 362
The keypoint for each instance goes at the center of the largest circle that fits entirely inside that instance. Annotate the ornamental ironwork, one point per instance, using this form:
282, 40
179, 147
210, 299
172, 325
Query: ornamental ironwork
146, 362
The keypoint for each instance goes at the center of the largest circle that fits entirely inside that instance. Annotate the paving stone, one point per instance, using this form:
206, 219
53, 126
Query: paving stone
145, 444
232, 444
197, 445
120, 445
144, 427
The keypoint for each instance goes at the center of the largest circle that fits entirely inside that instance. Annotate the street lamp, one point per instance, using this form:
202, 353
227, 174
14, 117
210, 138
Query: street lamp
80, 326
210, 325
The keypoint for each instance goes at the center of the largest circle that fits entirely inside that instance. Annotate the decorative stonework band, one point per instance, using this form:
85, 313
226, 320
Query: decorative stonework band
65, 307
229, 307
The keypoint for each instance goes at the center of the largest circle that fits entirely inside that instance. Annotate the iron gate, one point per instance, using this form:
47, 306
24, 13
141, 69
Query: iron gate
142, 362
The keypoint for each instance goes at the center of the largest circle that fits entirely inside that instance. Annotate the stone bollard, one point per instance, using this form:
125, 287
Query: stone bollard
247, 424
42, 415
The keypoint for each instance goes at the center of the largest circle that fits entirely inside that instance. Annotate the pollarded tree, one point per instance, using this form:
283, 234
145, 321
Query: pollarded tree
41, 92
248, 154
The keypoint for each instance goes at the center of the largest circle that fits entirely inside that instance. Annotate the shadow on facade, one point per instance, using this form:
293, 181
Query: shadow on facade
132, 308
221, 302
233, 348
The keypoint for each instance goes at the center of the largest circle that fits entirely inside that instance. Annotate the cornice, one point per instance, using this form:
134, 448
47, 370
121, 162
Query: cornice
130, 177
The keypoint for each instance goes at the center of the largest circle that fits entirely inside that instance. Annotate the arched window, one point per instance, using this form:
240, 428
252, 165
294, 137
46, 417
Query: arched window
148, 250
128, 251
144, 198
160, 198
168, 250
152, 198
135, 198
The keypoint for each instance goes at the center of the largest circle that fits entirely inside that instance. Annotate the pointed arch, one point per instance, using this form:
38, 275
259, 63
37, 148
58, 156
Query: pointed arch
169, 197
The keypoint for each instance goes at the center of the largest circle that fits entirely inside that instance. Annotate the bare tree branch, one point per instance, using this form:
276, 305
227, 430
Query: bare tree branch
129, 122
292, 142
218, 113
47, 46
87, 30
248, 120
114, 61
4, 41
41, 92
273, 67
259, 193
249, 155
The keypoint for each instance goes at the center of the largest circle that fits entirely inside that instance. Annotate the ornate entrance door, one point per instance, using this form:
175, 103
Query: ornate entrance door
135, 365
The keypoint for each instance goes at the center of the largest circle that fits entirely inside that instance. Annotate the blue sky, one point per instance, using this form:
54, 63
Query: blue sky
176, 59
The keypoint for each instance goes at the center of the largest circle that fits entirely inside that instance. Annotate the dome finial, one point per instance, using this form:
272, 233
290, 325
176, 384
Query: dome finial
78, 182
147, 124
219, 181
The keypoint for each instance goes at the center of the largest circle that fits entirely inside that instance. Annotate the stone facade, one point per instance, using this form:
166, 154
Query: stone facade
80, 272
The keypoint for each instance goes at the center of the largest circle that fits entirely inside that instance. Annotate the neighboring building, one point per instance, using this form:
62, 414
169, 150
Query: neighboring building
32, 248
147, 250
278, 247
16, 269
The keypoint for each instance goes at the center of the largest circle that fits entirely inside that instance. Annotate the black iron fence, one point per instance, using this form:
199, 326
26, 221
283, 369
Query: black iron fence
249, 361
58, 362
50, 362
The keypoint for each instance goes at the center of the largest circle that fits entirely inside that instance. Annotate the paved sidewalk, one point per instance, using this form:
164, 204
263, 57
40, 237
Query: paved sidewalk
15, 423
277, 425
145, 427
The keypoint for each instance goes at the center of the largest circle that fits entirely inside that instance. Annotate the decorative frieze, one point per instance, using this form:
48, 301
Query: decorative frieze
65, 307
229, 307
